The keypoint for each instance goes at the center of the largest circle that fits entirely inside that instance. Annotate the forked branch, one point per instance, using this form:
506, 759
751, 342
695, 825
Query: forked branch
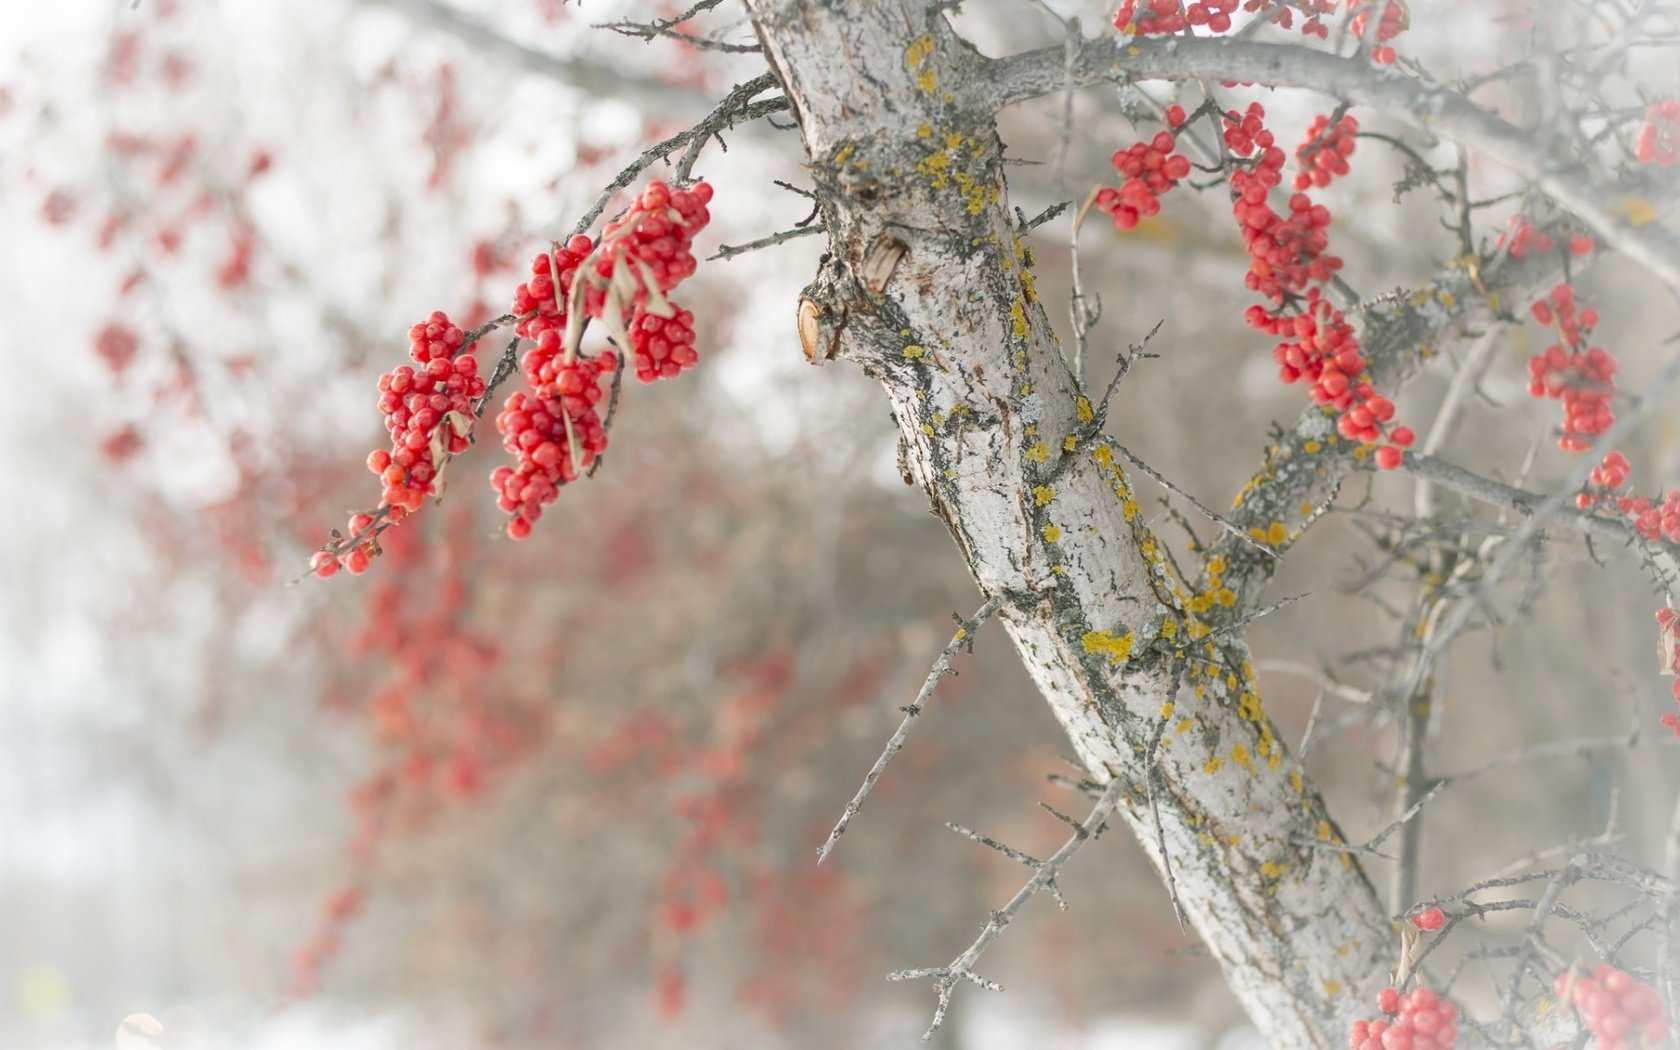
945, 978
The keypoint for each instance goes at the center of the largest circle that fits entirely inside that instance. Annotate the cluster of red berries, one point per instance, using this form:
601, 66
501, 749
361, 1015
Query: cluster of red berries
1283, 14
1289, 262
1417, 1020
1246, 131
1659, 139
1612, 473
1323, 156
554, 428
1652, 520
1526, 240
1150, 17
540, 302
1395, 20
428, 410
1214, 14
643, 254
663, 346
658, 230
1430, 919
1621, 1011
1582, 376
1157, 17
1151, 169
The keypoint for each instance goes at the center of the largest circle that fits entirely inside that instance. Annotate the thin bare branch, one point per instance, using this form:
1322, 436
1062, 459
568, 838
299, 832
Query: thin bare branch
945, 978
964, 638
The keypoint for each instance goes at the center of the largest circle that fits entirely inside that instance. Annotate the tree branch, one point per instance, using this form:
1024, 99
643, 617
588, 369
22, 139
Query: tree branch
595, 78
945, 978
1621, 220
964, 638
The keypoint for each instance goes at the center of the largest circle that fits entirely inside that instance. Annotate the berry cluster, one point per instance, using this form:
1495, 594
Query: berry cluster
1150, 17
1582, 376
1323, 156
643, 254
1655, 521
1288, 264
1659, 139
1283, 14
1430, 919
1526, 240
1417, 1020
1214, 14
1151, 169
663, 346
554, 428
540, 302
1158, 17
1621, 1011
658, 230
1395, 20
428, 410
1610, 474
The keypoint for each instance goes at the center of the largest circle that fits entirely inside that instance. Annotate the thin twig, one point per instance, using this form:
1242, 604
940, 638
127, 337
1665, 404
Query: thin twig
945, 978
964, 638
733, 110
667, 27
730, 251
1013, 854
1100, 418
1201, 507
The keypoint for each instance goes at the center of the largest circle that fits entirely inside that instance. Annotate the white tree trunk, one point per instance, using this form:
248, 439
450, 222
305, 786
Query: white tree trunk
928, 287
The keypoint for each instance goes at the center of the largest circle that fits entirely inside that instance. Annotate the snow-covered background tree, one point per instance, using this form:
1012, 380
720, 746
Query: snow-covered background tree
1294, 379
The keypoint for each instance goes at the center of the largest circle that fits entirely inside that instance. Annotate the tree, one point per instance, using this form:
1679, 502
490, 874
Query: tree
928, 285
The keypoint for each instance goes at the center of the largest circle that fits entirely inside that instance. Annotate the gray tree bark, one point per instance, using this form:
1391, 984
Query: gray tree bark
928, 287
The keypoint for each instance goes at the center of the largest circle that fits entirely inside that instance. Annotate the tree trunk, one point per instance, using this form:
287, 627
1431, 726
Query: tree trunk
928, 287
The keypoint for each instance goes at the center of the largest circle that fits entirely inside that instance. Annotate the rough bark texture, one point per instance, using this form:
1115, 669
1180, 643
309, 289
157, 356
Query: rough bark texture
928, 287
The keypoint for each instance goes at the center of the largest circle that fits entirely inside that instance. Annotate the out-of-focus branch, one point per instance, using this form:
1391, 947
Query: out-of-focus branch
597, 78
1464, 382
1509, 497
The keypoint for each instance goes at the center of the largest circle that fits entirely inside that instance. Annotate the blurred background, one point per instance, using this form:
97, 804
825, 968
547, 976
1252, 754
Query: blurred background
568, 792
